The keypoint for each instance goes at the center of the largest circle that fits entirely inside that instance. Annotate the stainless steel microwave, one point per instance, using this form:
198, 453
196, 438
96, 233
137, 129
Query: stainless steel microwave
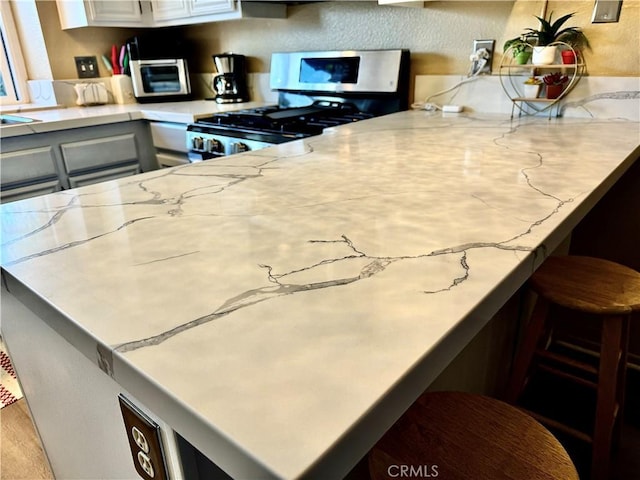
160, 80
159, 67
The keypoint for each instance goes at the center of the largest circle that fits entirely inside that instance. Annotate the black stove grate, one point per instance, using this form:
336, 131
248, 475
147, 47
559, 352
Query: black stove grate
291, 121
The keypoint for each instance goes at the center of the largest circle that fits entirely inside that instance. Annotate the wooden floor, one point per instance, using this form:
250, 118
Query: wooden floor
21, 456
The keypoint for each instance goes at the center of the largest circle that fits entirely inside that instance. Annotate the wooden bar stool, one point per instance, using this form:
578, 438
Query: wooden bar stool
601, 290
462, 436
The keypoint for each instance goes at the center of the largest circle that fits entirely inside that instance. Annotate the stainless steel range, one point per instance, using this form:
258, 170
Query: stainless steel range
316, 90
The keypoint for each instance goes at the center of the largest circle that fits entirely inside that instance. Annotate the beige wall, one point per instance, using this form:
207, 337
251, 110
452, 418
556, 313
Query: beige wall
440, 36
63, 45
615, 49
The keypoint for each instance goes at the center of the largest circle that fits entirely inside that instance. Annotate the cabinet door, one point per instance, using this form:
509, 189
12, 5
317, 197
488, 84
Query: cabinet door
99, 153
121, 11
28, 191
158, 13
167, 10
169, 136
28, 165
170, 140
170, 9
403, 3
103, 175
169, 159
28, 173
206, 7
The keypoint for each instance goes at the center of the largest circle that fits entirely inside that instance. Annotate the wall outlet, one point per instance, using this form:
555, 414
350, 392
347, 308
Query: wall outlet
144, 441
488, 45
87, 67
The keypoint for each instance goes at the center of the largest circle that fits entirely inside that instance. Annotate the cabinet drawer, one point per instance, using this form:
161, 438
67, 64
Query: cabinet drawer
171, 160
99, 153
103, 175
28, 166
169, 136
27, 191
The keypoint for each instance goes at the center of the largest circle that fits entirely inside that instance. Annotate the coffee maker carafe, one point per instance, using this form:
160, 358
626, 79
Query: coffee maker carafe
230, 85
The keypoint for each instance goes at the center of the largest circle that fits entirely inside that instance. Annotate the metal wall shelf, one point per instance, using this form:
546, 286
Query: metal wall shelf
513, 75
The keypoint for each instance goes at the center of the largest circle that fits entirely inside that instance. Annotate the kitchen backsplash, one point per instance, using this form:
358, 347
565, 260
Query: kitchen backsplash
592, 97
64, 92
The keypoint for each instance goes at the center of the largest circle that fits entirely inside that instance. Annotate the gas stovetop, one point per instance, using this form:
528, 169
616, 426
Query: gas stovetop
289, 121
316, 91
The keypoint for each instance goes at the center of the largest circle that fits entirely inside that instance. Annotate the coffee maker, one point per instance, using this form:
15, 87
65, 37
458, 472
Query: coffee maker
230, 85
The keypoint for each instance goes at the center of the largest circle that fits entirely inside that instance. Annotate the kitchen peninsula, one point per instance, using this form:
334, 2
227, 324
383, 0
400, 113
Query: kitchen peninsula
279, 309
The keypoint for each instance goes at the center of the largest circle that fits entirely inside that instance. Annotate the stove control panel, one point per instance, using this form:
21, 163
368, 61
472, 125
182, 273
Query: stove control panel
239, 147
212, 145
204, 145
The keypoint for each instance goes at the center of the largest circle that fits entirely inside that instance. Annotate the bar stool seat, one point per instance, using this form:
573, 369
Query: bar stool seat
597, 289
457, 435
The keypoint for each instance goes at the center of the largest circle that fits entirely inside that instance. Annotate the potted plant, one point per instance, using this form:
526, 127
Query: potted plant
555, 84
520, 49
532, 87
550, 32
569, 56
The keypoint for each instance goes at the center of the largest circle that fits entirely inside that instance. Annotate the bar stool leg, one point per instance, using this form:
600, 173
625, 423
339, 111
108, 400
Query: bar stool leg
608, 374
522, 362
622, 381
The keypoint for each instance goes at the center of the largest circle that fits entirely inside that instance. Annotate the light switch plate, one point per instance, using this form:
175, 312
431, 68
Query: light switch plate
606, 11
87, 67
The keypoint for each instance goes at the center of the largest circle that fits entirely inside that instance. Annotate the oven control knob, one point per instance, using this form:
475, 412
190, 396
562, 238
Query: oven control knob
239, 147
212, 145
198, 143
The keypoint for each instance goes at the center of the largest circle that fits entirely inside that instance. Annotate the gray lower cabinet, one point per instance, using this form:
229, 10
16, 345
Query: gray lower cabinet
103, 175
27, 191
99, 159
27, 173
42, 163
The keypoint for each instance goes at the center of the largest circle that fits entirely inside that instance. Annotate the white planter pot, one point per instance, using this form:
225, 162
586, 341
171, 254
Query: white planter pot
531, 91
544, 55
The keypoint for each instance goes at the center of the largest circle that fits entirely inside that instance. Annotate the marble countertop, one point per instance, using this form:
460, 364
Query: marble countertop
280, 308
52, 119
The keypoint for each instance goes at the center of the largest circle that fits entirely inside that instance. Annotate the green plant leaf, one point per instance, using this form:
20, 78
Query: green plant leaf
559, 22
549, 32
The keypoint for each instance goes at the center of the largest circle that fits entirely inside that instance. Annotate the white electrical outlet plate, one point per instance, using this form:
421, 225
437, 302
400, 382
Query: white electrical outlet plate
489, 46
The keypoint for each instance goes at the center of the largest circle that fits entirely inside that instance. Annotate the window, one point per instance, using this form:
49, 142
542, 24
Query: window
13, 85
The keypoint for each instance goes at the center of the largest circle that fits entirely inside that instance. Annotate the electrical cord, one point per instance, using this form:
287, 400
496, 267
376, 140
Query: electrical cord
478, 61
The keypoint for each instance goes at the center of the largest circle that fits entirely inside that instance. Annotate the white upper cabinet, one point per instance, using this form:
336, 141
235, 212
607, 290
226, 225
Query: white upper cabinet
159, 13
169, 9
102, 13
208, 7
403, 3
129, 11
180, 12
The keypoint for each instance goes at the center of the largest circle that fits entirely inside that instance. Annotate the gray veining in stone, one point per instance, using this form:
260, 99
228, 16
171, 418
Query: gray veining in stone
622, 95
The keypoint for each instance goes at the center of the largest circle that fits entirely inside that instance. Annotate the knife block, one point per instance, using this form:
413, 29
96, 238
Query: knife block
122, 89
